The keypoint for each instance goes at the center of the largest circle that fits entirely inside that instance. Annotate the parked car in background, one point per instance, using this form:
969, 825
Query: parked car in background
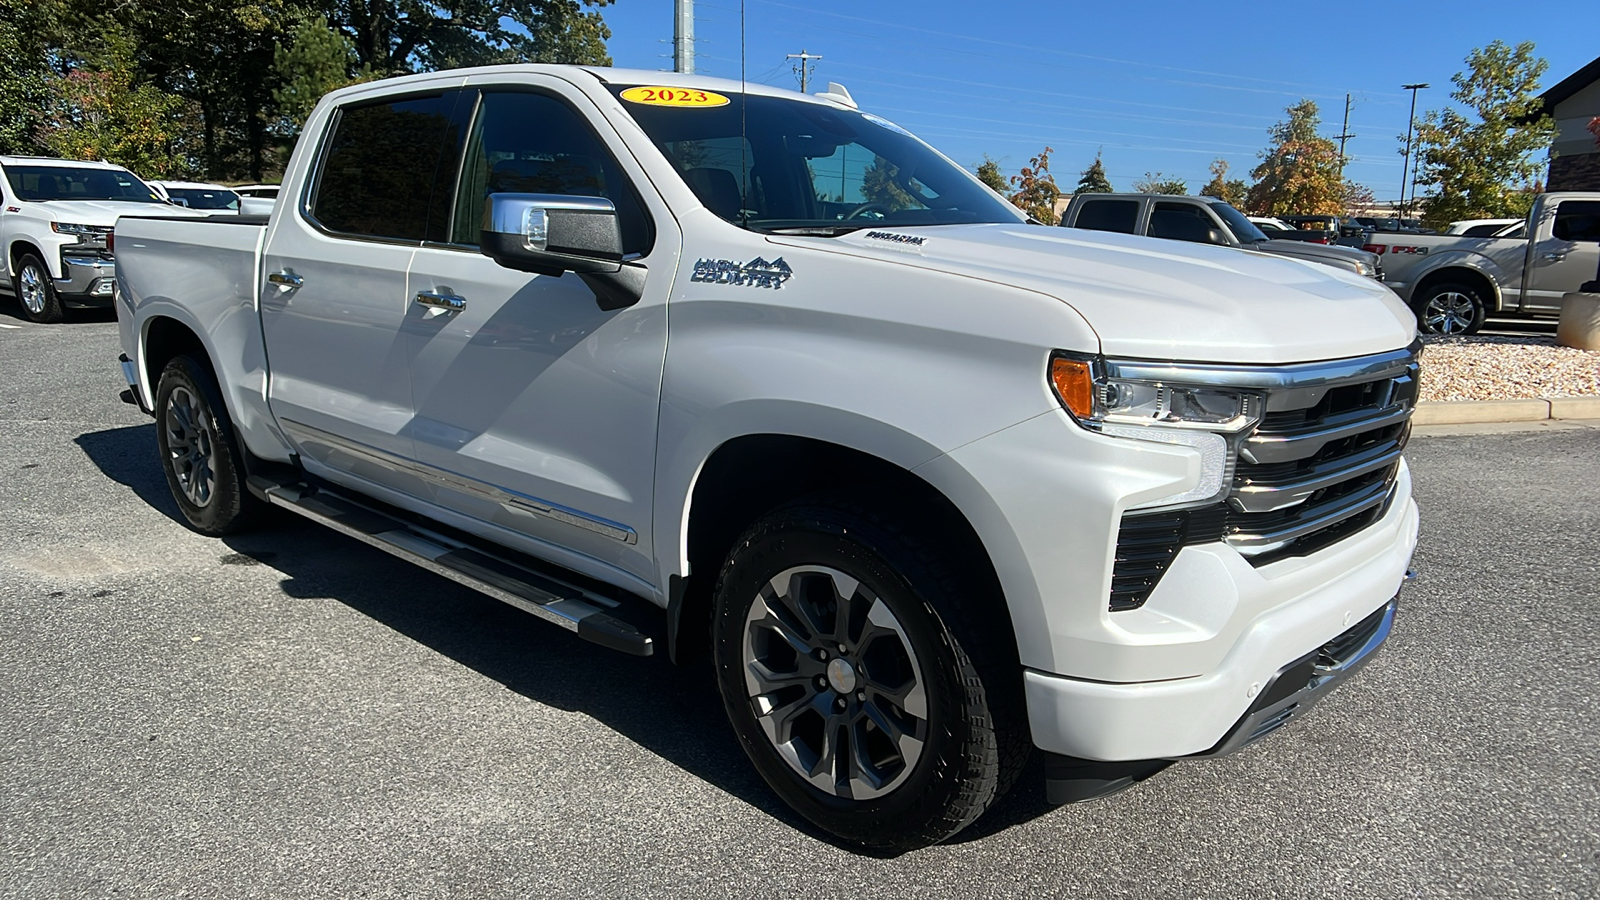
56, 227
1480, 227
198, 195
1454, 282
1204, 220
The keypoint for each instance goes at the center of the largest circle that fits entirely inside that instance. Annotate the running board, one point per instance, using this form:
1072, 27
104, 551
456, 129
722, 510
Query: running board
573, 608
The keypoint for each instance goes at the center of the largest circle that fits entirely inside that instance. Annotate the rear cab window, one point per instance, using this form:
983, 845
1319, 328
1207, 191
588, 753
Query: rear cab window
1109, 215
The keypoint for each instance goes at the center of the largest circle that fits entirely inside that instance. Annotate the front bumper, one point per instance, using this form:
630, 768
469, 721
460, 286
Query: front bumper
1225, 708
86, 280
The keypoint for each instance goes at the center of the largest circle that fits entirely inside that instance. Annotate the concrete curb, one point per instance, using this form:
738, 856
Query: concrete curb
1468, 412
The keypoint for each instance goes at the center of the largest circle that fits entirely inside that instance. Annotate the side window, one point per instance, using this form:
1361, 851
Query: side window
1578, 220
528, 143
1109, 215
382, 166
1183, 222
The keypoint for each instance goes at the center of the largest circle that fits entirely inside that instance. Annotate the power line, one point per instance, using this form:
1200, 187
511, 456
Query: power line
804, 67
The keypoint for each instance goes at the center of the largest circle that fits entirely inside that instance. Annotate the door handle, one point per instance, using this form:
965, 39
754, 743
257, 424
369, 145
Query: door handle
286, 279
1554, 257
446, 302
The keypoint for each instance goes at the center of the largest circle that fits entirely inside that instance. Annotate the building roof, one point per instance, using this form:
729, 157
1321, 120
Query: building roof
1562, 90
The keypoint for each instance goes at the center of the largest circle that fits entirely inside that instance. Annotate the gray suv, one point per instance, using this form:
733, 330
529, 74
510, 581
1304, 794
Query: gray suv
1203, 220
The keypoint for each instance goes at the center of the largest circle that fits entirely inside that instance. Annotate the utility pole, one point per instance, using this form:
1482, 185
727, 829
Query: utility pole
1413, 88
683, 37
803, 69
1344, 135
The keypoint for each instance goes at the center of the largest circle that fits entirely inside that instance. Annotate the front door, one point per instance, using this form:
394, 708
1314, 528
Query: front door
1565, 256
536, 409
334, 305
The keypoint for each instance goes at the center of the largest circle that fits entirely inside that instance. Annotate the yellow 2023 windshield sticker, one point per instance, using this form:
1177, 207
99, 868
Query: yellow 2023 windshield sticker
653, 95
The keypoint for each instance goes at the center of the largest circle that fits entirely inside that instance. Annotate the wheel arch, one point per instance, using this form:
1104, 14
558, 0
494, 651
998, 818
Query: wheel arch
1466, 274
748, 475
18, 248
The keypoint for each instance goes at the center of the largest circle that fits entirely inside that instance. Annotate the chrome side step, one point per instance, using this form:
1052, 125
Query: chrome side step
573, 608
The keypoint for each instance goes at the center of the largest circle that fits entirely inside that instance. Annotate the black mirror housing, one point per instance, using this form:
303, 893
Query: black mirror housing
549, 234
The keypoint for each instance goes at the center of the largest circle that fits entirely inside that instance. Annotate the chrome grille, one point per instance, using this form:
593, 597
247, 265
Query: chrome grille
1318, 468
1322, 463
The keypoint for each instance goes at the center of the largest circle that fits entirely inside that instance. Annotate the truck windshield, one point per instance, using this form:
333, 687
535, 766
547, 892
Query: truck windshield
1243, 229
771, 164
73, 183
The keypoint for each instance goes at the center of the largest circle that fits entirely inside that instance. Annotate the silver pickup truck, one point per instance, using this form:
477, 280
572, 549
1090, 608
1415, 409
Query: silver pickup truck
1455, 282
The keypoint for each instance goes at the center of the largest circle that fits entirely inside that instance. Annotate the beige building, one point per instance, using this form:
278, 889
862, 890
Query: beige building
1574, 156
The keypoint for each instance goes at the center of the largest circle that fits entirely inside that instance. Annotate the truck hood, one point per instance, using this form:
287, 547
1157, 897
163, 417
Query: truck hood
106, 212
1159, 299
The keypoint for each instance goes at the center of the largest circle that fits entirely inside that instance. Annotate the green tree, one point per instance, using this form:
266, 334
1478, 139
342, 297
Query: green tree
395, 36
1036, 189
880, 184
1158, 183
1299, 172
989, 174
27, 39
1230, 190
317, 60
103, 115
1094, 180
1479, 169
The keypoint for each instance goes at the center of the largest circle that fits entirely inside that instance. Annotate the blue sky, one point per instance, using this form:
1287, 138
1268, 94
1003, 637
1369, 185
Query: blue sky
1154, 87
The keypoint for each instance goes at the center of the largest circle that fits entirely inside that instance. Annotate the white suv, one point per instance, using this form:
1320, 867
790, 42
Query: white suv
56, 228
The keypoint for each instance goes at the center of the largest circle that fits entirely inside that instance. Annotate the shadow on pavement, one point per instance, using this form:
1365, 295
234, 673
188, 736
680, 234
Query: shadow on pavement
674, 712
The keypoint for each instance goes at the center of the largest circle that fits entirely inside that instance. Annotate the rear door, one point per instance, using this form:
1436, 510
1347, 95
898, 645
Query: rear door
1565, 254
536, 409
334, 306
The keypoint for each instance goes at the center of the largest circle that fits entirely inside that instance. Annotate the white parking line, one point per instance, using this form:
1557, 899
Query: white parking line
4, 325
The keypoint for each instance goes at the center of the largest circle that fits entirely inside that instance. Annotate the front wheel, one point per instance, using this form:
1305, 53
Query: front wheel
37, 292
1451, 308
851, 692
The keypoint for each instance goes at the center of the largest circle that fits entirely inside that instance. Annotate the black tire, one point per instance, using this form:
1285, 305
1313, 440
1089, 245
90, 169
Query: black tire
1451, 307
36, 291
938, 634
200, 454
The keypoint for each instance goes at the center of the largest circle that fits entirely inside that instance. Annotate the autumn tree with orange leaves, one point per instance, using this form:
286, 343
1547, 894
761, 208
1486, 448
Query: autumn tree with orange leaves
1299, 172
1036, 189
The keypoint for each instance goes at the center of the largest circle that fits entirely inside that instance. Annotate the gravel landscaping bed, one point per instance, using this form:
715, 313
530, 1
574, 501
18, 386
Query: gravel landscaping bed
1502, 367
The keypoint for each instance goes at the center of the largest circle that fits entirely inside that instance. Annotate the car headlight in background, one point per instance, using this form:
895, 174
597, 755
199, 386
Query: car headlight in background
1180, 410
1365, 268
70, 228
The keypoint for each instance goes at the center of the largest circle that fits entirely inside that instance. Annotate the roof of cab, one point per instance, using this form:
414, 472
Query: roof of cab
46, 160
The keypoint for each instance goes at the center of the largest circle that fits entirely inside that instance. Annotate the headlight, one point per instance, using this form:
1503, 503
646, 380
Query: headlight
69, 228
1179, 410
1367, 269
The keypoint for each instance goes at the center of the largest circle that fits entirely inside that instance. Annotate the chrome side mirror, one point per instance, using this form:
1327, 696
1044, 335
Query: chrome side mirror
549, 234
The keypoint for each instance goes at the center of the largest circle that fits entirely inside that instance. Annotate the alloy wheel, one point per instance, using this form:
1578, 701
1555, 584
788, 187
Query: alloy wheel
1449, 312
31, 289
191, 444
834, 682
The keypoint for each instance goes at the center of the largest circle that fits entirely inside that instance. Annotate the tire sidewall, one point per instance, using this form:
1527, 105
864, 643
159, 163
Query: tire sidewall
53, 311
782, 542
230, 501
1480, 307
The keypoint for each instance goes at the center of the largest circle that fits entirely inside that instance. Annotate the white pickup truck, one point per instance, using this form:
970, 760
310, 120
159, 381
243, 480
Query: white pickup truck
759, 378
56, 227
1455, 282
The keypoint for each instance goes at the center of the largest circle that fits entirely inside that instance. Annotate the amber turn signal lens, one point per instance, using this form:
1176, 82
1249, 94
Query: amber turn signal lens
1075, 385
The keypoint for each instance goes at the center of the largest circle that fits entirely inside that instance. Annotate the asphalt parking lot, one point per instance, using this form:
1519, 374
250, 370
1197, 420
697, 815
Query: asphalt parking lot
293, 714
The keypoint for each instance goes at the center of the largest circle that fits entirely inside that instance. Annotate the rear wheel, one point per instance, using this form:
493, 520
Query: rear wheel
200, 455
855, 697
1451, 308
36, 291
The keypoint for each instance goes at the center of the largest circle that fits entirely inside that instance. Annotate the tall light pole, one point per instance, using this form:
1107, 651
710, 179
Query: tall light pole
1404, 166
683, 37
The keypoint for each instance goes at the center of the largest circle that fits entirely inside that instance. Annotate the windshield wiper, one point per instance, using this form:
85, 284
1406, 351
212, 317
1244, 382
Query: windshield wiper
819, 230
